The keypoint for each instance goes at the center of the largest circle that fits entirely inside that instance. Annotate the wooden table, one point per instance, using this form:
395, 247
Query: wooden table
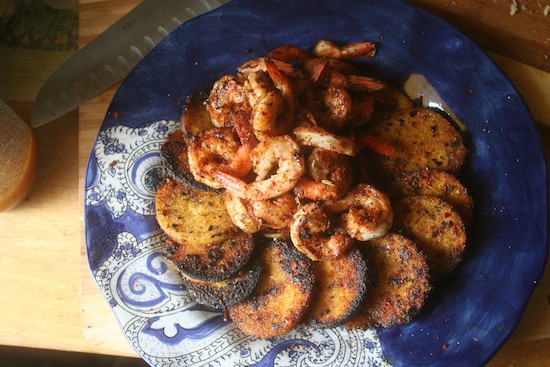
48, 297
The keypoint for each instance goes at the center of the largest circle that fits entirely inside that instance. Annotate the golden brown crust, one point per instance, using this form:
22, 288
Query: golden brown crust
422, 139
399, 280
340, 288
282, 295
225, 292
191, 216
439, 184
436, 228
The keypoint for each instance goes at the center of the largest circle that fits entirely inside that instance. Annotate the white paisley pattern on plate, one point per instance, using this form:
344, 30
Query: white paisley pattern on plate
128, 167
163, 324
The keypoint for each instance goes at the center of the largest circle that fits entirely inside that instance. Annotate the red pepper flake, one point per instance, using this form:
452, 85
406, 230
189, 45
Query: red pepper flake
112, 164
488, 147
248, 50
146, 322
470, 91
525, 207
445, 346
179, 103
475, 339
219, 17
117, 114
503, 207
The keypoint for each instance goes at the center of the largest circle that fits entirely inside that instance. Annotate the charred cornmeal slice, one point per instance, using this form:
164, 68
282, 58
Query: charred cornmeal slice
399, 282
340, 286
191, 216
213, 262
174, 152
225, 292
282, 294
439, 184
436, 228
421, 139
195, 117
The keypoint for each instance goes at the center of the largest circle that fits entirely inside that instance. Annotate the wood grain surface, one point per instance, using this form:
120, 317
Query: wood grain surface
49, 299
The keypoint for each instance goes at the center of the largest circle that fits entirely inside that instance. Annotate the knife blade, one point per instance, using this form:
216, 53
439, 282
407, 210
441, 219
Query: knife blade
108, 58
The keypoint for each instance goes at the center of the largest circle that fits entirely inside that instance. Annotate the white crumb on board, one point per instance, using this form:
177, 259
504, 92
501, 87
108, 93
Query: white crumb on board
513, 7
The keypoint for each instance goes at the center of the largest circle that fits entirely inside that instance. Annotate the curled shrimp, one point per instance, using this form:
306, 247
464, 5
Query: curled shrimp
367, 212
258, 64
330, 176
332, 107
321, 72
319, 137
316, 235
289, 53
275, 213
215, 150
326, 48
240, 212
227, 97
272, 98
280, 154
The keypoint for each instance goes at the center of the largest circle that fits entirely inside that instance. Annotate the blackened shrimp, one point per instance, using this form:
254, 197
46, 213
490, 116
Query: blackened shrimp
319, 137
367, 212
227, 99
241, 214
321, 72
326, 48
216, 150
330, 176
281, 155
289, 53
275, 213
318, 236
272, 98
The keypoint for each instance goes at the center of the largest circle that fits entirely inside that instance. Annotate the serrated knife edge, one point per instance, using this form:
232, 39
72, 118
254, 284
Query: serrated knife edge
109, 57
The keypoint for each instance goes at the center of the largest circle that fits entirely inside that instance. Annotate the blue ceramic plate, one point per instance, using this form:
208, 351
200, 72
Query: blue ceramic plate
463, 325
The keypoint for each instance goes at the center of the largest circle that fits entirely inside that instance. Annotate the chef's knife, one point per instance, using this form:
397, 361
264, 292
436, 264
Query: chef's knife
110, 56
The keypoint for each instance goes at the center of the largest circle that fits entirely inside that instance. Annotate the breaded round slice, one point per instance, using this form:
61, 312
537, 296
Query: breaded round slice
225, 292
436, 228
388, 100
192, 216
340, 287
174, 152
440, 184
422, 139
215, 261
195, 116
282, 295
399, 282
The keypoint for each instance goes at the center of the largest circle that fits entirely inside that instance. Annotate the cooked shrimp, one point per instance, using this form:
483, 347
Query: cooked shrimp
317, 236
367, 212
275, 213
362, 108
338, 108
321, 72
280, 154
289, 53
272, 98
241, 213
330, 176
326, 48
228, 100
214, 150
258, 64
319, 137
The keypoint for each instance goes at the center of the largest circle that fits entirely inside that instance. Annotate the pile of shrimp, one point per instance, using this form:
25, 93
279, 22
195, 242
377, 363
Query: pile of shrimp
286, 130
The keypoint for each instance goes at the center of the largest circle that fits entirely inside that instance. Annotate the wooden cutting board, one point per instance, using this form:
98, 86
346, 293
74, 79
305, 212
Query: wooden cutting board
521, 41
